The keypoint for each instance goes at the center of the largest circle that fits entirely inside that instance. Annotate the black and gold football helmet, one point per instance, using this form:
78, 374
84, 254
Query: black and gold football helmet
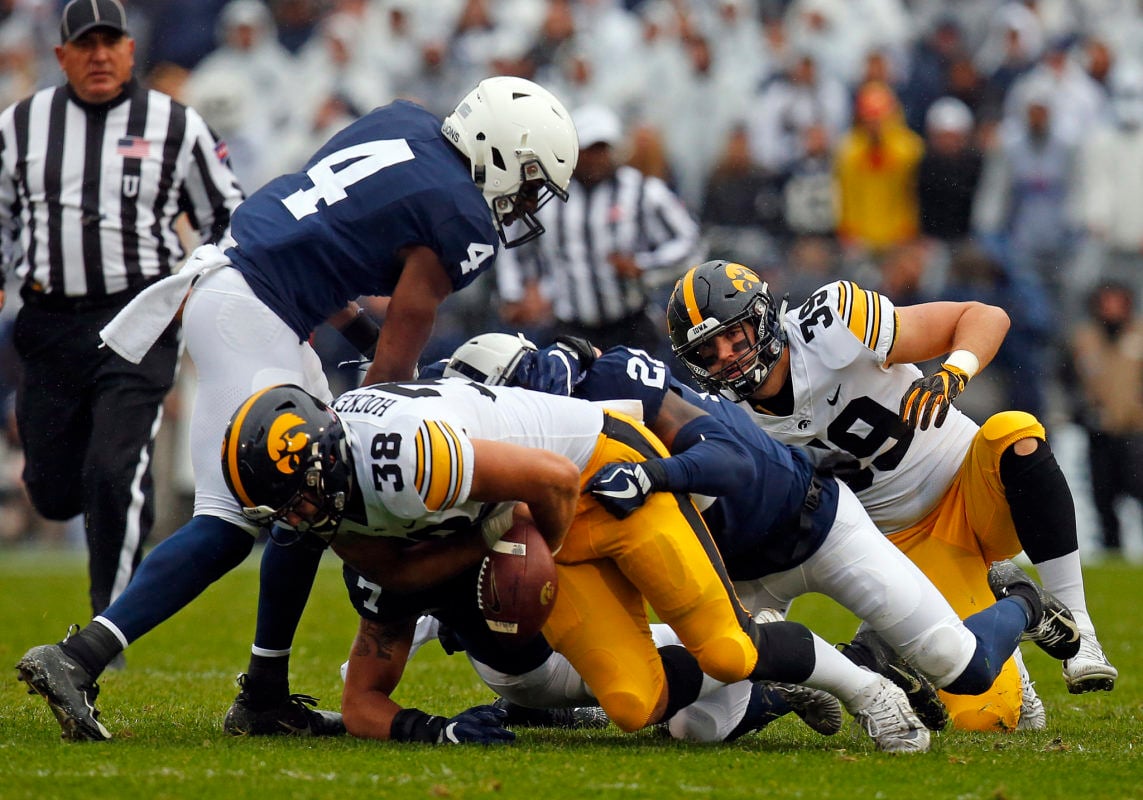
711, 299
284, 445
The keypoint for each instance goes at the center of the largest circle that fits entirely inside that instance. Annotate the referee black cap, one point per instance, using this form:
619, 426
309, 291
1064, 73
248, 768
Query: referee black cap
81, 16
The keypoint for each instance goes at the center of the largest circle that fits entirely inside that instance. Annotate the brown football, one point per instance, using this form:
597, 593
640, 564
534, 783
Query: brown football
517, 584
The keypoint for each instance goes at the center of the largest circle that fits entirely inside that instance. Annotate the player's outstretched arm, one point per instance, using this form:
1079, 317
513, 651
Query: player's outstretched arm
707, 459
376, 663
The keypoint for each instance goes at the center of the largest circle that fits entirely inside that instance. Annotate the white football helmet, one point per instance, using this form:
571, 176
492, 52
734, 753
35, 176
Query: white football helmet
521, 145
490, 358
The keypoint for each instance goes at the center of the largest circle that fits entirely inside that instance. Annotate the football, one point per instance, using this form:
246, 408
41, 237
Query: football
517, 584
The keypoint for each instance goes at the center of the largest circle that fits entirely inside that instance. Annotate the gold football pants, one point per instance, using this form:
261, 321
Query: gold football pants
610, 569
957, 541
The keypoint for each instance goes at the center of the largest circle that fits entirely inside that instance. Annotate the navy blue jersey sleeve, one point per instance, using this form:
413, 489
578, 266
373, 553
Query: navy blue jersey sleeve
463, 236
707, 458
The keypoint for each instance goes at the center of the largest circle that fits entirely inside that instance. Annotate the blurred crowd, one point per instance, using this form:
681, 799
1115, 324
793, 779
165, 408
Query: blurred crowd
929, 149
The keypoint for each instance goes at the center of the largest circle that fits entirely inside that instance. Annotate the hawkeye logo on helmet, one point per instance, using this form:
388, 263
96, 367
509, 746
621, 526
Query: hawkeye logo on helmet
742, 277
285, 444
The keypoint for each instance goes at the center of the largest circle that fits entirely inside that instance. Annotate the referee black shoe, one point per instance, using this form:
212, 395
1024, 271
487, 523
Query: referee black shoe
69, 690
292, 715
1053, 628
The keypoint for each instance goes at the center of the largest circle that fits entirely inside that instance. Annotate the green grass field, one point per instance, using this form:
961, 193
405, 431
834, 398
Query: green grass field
166, 710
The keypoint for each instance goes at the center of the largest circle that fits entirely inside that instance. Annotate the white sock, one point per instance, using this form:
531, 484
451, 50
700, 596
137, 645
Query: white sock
836, 674
1063, 577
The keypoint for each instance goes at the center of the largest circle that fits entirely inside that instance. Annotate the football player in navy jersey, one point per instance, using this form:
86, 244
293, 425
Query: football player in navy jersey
396, 204
783, 528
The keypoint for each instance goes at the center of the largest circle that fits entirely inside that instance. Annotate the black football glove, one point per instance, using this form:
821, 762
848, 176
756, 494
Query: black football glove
477, 725
622, 487
929, 398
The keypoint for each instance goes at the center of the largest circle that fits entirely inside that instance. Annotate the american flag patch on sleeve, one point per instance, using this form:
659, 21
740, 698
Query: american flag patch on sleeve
221, 150
134, 147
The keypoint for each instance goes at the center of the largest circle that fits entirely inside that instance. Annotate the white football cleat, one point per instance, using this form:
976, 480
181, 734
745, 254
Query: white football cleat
1089, 670
884, 713
1033, 717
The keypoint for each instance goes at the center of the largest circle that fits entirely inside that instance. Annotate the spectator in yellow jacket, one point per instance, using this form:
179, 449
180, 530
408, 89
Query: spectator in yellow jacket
876, 170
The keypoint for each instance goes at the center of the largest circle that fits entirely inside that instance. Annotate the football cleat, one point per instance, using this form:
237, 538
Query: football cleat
1055, 632
291, 716
884, 713
868, 649
1089, 670
69, 690
817, 708
582, 718
1033, 717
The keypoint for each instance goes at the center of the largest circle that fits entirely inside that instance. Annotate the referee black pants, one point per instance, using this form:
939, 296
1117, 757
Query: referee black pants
87, 420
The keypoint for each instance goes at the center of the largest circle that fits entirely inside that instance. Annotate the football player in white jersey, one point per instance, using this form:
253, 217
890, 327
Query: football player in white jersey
837, 376
407, 481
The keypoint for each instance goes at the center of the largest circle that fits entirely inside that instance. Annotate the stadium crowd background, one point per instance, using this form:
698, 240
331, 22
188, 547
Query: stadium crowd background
929, 149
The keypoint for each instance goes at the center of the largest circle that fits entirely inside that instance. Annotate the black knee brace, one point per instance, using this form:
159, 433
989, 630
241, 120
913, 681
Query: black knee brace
785, 652
684, 678
1040, 501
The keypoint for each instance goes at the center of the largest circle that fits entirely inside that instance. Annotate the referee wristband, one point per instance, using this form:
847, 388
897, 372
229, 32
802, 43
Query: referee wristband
414, 725
362, 332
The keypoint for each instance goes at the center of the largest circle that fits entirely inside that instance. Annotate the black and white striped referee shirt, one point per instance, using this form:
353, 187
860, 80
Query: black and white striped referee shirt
89, 194
628, 213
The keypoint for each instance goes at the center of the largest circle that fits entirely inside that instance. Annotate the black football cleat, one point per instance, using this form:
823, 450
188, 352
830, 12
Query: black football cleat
69, 690
1055, 631
292, 716
868, 649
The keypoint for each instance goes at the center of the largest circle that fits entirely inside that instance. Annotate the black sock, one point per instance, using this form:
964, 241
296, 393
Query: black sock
1040, 500
684, 678
267, 681
1027, 596
93, 648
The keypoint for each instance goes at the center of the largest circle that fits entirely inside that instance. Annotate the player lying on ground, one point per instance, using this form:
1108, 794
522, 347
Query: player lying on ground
782, 529
395, 464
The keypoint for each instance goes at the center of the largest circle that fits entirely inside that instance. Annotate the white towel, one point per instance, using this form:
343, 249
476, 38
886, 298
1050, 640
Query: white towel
138, 326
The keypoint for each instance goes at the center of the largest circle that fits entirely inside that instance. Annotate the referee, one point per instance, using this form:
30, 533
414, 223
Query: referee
619, 237
93, 175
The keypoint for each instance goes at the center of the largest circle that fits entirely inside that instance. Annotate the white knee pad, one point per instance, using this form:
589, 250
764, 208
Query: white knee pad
553, 684
942, 652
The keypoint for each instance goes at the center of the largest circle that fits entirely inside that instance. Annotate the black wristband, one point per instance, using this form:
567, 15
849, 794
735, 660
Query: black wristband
414, 725
362, 332
579, 347
656, 473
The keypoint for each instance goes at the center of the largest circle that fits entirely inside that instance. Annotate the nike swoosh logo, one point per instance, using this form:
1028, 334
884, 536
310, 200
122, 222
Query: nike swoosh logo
914, 685
833, 400
630, 491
